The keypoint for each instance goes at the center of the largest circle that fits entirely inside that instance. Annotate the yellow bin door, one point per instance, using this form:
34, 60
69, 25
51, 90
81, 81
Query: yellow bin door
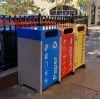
79, 52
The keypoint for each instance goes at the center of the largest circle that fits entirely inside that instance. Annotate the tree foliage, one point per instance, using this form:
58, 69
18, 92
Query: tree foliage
18, 7
83, 4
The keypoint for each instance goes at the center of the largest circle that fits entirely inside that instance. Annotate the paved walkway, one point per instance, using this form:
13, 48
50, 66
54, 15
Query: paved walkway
94, 30
84, 84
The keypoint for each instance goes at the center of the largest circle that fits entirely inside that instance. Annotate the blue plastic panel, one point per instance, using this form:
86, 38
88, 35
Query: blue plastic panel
50, 61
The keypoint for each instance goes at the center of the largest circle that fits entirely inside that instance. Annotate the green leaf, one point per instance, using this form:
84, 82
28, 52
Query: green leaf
18, 7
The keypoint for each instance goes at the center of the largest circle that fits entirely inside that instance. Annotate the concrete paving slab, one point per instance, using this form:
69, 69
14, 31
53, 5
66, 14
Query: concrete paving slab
63, 90
89, 77
18, 92
8, 78
97, 96
70, 91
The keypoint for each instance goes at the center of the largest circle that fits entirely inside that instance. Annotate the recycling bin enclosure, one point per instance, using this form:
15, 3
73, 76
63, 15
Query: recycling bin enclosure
67, 51
8, 48
80, 35
38, 57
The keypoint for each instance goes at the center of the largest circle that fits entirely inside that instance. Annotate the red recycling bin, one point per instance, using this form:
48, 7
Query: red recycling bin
67, 51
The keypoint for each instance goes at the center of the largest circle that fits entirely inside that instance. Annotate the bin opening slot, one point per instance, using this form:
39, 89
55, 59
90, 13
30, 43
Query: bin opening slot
68, 31
81, 28
51, 33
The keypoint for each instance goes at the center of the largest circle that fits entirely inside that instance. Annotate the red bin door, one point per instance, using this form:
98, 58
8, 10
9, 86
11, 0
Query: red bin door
67, 54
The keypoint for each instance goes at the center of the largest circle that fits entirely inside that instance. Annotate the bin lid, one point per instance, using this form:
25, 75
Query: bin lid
35, 34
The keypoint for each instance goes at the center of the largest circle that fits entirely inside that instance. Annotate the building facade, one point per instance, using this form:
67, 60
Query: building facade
95, 12
47, 6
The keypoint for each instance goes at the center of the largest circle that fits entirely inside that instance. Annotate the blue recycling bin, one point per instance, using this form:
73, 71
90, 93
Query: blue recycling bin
38, 57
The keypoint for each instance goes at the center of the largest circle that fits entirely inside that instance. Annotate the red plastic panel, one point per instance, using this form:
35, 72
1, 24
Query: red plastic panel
67, 53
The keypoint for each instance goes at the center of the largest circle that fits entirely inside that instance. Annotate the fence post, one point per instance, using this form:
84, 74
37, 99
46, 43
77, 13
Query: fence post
86, 17
4, 22
39, 19
56, 21
72, 18
15, 21
9, 22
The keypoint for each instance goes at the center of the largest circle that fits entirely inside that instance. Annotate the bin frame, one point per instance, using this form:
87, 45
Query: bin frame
76, 33
39, 83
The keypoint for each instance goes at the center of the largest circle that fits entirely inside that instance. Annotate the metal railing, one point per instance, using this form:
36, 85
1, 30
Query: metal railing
37, 20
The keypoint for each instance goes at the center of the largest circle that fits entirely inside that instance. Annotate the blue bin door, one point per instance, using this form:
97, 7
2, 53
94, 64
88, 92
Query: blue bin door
50, 61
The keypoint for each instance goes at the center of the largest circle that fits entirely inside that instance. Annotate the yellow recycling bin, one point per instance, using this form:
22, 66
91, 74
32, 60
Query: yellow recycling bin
79, 47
